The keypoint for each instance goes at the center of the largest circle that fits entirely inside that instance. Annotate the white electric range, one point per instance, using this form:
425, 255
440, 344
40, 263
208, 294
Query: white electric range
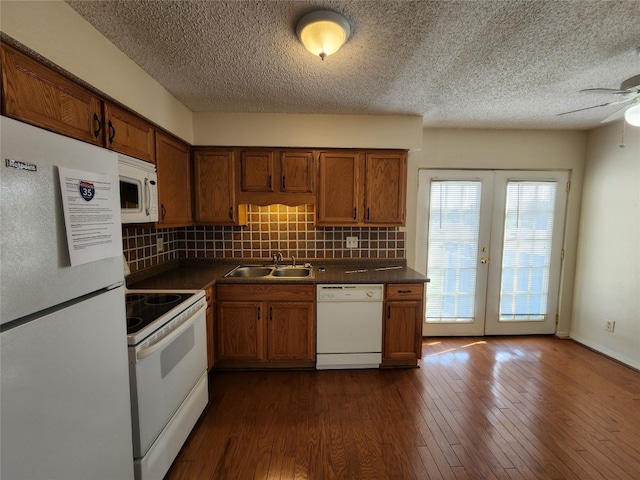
166, 334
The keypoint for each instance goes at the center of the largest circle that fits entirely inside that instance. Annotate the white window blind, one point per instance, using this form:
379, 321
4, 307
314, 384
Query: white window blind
528, 230
454, 225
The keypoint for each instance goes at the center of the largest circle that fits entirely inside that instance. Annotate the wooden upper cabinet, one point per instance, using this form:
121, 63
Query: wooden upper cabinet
268, 176
256, 171
385, 188
129, 134
362, 188
214, 188
338, 188
297, 171
36, 94
39, 95
174, 182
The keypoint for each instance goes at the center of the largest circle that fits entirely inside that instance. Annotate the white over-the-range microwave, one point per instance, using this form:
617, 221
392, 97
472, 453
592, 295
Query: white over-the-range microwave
138, 190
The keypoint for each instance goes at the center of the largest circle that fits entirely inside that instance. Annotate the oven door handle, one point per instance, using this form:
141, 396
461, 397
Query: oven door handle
145, 352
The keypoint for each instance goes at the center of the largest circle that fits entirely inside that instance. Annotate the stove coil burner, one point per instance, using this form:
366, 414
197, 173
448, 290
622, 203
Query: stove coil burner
133, 323
134, 297
162, 299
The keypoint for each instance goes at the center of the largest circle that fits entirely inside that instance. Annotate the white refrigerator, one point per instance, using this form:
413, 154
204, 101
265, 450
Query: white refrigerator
64, 396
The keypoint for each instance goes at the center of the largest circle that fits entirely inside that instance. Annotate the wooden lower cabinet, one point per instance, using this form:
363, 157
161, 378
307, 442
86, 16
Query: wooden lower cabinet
239, 332
402, 324
291, 332
275, 329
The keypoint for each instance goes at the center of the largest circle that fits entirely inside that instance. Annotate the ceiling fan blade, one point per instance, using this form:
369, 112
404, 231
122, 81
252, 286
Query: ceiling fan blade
624, 100
618, 114
613, 91
581, 109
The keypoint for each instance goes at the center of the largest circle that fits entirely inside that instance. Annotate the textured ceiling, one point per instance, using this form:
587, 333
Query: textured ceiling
481, 64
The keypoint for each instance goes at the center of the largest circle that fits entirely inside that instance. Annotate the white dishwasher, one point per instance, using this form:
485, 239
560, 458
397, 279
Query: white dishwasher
349, 326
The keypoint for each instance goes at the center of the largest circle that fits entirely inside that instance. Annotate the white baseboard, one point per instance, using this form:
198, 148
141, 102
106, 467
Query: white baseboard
605, 351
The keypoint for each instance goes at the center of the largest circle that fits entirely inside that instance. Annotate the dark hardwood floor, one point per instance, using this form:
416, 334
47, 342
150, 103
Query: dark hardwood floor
477, 408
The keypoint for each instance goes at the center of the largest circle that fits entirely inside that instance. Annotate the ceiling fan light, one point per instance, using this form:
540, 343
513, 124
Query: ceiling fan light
632, 115
323, 32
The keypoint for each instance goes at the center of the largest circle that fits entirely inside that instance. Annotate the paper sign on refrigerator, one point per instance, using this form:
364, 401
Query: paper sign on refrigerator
91, 205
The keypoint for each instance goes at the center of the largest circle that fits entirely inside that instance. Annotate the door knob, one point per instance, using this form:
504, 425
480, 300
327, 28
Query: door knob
484, 260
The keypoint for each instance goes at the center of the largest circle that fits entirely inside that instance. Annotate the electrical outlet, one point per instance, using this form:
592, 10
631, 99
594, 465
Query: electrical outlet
609, 325
352, 242
160, 244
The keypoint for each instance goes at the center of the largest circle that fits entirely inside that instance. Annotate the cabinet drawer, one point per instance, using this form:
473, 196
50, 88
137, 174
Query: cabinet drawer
404, 291
265, 292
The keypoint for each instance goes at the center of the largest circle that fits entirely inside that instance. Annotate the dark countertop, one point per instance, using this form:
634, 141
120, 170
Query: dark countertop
197, 275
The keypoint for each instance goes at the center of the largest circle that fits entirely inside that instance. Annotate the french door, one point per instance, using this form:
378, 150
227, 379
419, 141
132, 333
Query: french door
491, 242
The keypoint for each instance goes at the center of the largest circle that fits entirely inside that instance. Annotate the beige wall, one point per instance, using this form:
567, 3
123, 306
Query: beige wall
505, 149
337, 131
608, 263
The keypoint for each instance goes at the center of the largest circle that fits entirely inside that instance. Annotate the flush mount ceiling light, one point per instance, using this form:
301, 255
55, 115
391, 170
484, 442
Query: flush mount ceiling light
632, 115
323, 32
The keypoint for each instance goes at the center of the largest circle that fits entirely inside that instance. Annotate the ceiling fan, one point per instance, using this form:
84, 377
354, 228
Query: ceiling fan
629, 91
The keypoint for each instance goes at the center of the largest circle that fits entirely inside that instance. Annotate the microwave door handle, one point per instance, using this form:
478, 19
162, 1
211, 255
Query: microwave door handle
147, 195
145, 352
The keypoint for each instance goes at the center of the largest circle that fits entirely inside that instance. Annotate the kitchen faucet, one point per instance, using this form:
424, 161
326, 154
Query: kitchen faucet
277, 257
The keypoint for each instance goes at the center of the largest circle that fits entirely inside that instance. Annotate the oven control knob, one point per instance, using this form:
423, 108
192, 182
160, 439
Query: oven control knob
369, 294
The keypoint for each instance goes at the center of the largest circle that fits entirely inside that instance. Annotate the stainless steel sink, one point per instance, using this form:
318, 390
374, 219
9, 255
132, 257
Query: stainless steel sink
249, 271
258, 271
291, 272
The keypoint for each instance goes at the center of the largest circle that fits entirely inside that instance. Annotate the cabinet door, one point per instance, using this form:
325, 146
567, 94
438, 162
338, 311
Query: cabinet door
338, 189
385, 188
129, 134
36, 94
401, 332
239, 332
290, 331
214, 183
256, 171
297, 172
174, 182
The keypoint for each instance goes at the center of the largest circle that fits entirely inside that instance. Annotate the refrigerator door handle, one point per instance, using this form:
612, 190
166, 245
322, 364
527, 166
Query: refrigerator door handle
115, 285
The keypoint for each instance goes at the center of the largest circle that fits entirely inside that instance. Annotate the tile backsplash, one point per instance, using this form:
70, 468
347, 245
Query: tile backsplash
290, 230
